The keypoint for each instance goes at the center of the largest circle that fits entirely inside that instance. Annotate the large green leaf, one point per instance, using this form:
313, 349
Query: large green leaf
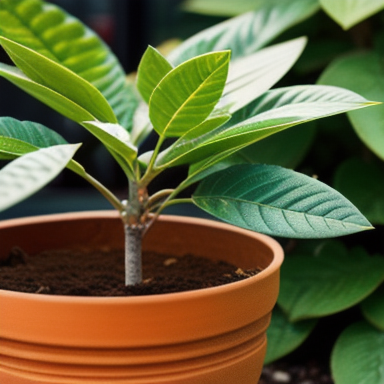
252, 75
20, 137
272, 112
363, 184
330, 281
29, 173
358, 355
56, 101
246, 33
362, 73
187, 94
348, 13
50, 31
55, 76
286, 148
152, 68
373, 308
277, 201
284, 336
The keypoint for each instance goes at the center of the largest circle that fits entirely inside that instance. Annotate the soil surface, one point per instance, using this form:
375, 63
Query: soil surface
102, 273
283, 372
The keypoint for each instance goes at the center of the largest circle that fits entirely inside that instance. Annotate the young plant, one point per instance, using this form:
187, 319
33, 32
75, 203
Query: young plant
206, 111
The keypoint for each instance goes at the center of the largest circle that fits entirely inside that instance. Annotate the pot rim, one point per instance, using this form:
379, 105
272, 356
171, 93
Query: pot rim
278, 255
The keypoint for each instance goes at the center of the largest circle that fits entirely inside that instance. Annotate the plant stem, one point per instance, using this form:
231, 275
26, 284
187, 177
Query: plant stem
133, 240
136, 222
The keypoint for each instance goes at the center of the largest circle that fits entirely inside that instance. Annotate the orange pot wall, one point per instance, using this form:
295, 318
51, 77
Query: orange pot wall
209, 336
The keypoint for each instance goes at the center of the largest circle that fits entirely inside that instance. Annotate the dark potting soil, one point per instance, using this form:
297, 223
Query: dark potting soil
102, 273
283, 372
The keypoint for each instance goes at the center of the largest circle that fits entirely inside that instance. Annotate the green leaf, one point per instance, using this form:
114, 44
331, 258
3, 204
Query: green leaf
363, 184
373, 308
272, 112
284, 336
114, 137
246, 33
20, 137
50, 31
358, 355
348, 13
252, 75
29, 173
286, 148
362, 73
330, 281
54, 76
53, 99
220, 8
278, 201
187, 94
152, 68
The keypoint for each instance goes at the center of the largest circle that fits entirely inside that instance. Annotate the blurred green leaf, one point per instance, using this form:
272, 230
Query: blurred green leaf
188, 94
53, 33
252, 75
227, 8
348, 13
373, 308
358, 355
363, 184
152, 68
328, 282
284, 336
362, 73
46, 72
278, 201
246, 33
29, 173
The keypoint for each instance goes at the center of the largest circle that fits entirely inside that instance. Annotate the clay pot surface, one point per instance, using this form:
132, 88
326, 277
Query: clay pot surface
209, 336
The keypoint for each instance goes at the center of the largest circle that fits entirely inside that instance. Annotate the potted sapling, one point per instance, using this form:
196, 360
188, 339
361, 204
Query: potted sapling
207, 102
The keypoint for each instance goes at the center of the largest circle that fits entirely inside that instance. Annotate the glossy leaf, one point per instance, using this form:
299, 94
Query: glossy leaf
273, 112
246, 33
152, 68
362, 73
358, 355
50, 31
348, 13
330, 281
286, 148
114, 137
53, 99
284, 336
373, 308
187, 95
252, 75
47, 72
278, 201
29, 173
363, 184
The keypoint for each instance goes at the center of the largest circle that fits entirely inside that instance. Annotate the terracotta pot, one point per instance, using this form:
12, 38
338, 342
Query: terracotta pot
209, 336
